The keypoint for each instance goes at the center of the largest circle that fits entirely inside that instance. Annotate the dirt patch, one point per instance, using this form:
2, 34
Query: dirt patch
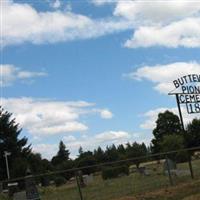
128, 198
193, 197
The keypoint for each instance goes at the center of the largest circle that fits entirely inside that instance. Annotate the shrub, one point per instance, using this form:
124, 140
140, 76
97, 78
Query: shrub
182, 157
45, 181
59, 180
87, 161
114, 172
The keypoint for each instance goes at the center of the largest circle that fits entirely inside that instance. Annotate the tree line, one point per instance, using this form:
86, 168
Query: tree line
168, 135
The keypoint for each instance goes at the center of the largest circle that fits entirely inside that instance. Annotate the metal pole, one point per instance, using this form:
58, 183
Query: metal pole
190, 165
169, 172
6, 154
79, 187
181, 119
180, 113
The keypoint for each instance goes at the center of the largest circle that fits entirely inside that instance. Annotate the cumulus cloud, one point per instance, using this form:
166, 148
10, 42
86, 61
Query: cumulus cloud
48, 117
103, 139
55, 4
112, 136
102, 2
170, 23
10, 74
152, 115
69, 138
105, 113
37, 27
185, 33
87, 143
175, 23
156, 11
163, 75
46, 150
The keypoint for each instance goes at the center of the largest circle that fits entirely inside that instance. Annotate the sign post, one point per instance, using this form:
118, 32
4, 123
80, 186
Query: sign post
6, 154
189, 95
180, 113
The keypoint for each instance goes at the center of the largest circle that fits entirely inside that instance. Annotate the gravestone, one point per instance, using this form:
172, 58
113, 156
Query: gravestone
169, 163
19, 196
143, 171
88, 179
31, 189
80, 178
12, 188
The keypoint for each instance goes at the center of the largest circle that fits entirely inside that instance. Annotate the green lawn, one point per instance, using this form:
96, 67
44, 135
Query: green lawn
132, 185
3, 197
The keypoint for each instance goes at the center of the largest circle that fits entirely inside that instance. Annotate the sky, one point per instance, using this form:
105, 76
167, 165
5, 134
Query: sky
94, 72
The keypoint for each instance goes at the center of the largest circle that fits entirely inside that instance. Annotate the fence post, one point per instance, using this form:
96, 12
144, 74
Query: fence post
169, 172
190, 165
79, 187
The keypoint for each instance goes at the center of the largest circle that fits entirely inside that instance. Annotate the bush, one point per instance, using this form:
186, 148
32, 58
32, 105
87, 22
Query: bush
114, 172
59, 180
87, 161
182, 157
45, 181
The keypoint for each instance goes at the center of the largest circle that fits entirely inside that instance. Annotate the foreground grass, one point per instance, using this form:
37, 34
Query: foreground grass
185, 191
133, 185
3, 197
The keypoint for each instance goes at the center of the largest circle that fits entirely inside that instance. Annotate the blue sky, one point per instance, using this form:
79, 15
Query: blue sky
93, 73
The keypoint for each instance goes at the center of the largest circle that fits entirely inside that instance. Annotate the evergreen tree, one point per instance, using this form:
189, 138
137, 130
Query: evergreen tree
121, 151
10, 141
111, 153
86, 159
62, 155
99, 155
80, 150
136, 150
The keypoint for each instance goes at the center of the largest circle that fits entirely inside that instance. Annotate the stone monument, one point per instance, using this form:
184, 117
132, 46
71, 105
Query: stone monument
31, 189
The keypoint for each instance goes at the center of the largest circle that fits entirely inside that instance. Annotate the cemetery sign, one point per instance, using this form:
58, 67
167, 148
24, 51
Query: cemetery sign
187, 92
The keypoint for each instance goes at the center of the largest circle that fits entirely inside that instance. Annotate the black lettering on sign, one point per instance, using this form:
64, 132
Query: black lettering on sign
193, 108
189, 98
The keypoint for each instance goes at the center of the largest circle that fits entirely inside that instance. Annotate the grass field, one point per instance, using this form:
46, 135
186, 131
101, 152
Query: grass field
153, 187
184, 191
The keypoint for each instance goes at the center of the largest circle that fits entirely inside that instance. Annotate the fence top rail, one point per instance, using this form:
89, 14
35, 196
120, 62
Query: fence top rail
103, 164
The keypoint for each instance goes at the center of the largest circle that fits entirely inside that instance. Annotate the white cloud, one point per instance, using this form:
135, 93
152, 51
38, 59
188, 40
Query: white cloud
185, 33
101, 139
163, 75
102, 2
9, 74
156, 11
90, 143
112, 136
46, 150
37, 27
175, 23
152, 115
172, 24
56, 4
105, 114
69, 138
46, 117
